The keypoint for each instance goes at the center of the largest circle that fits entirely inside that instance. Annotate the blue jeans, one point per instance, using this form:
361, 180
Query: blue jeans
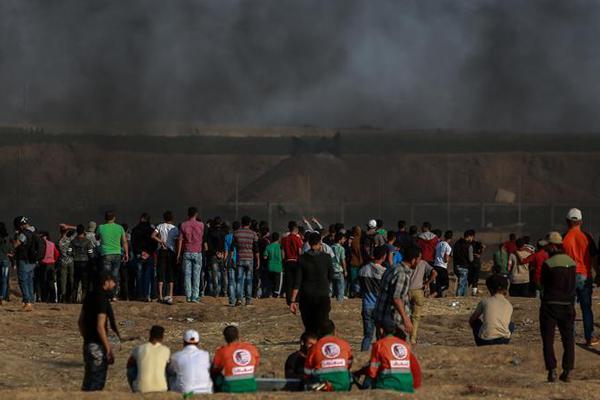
192, 269
584, 298
215, 267
337, 287
231, 284
4, 272
244, 280
112, 263
25, 273
463, 281
144, 277
368, 326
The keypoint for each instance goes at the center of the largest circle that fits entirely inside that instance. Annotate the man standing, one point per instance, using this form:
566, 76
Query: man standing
558, 307
427, 242
150, 361
66, 265
291, 244
96, 314
311, 286
83, 255
166, 235
462, 262
419, 279
143, 250
581, 247
369, 277
189, 253
443, 252
214, 246
246, 243
29, 250
191, 367
393, 303
113, 246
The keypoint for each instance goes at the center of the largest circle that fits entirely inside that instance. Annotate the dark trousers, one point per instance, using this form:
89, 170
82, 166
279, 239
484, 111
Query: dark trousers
314, 312
473, 276
289, 271
96, 367
563, 316
482, 342
441, 281
519, 290
81, 276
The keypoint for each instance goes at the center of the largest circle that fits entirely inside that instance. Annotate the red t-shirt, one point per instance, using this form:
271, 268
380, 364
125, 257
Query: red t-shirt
291, 245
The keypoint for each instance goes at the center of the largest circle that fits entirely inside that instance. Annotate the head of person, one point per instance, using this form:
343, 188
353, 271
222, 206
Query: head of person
372, 224
574, 218
328, 329
145, 217
191, 338
314, 241
264, 229
20, 223
274, 237
413, 230
168, 216
80, 230
380, 254
437, 232
497, 284
236, 225
217, 222
246, 221
340, 237
512, 237
379, 223
231, 334
391, 236
91, 226
157, 334
192, 213
293, 227
110, 216
106, 282
45, 235
301, 231
448, 236
3, 230
307, 340
401, 225
331, 230
426, 227
520, 243
254, 225
412, 256
338, 226
555, 243
389, 328
469, 235
542, 243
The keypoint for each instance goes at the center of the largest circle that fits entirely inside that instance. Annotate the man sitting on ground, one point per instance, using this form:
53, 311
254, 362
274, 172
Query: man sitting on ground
294, 365
149, 362
329, 361
393, 366
191, 367
235, 364
491, 320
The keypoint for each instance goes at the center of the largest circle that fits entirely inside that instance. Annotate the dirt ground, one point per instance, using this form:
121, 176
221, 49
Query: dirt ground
41, 351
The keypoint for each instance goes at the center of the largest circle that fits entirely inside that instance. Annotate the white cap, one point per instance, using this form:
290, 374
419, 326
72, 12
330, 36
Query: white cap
372, 224
191, 336
574, 214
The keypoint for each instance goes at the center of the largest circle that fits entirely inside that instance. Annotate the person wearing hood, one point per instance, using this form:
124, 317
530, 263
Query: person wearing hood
427, 241
310, 294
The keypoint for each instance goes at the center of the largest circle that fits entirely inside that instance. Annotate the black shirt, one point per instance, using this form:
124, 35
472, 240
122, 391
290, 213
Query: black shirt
141, 239
460, 254
294, 366
313, 274
95, 303
215, 241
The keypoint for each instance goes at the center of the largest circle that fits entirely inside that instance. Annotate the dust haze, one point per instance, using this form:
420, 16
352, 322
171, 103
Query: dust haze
494, 65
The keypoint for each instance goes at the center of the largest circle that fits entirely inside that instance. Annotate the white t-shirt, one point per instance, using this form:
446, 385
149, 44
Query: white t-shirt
192, 368
152, 360
442, 249
168, 233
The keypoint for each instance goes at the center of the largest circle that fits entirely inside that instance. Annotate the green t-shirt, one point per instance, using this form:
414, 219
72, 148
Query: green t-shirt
274, 258
110, 235
338, 260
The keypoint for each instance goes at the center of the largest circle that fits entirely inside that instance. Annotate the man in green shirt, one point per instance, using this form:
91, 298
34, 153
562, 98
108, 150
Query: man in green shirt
274, 257
113, 246
338, 281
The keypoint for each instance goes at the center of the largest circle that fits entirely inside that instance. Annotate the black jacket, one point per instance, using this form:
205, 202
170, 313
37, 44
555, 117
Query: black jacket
559, 280
313, 274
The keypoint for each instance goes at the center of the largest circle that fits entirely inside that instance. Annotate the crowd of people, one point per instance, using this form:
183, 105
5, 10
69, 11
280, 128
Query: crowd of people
392, 272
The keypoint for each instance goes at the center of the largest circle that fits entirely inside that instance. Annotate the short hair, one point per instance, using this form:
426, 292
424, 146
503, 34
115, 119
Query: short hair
469, 233
308, 335
379, 223
314, 238
412, 253
145, 216
512, 236
80, 229
192, 211
338, 226
231, 333
413, 230
235, 225
520, 242
109, 215
275, 236
104, 277
389, 328
496, 283
157, 332
332, 228
391, 235
437, 232
448, 234
401, 224
217, 221
168, 216
426, 225
246, 220
339, 236
292, 225
380, 252
328, 328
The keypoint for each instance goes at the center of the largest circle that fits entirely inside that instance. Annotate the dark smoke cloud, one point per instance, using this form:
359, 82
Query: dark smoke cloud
496, 65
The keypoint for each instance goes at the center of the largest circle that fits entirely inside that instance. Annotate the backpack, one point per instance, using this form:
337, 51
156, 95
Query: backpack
35, 247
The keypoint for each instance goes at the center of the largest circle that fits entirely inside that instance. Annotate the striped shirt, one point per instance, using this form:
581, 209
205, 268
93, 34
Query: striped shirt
395, 284
246, 242
369, 277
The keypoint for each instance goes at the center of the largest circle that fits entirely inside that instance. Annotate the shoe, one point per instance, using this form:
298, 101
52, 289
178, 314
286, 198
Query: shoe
28, 307
474, 291
552, 375
196, 301
188, 300
231, 305
565, 376
248, 302
238, 303
168, 300
592, 342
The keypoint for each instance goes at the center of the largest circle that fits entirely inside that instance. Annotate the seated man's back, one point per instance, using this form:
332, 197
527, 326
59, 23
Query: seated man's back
151, 360
191, 367
234, 366
393, 365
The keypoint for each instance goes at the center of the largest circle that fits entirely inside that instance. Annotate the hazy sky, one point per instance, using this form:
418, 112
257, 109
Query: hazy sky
491, 64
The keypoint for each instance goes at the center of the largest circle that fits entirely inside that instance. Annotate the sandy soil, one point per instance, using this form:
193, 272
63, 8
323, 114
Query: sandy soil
42, 357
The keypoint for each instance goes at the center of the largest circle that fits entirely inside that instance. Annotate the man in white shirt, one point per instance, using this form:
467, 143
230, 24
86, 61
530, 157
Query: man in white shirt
147, 365
191, 367
166, 235
443, 252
